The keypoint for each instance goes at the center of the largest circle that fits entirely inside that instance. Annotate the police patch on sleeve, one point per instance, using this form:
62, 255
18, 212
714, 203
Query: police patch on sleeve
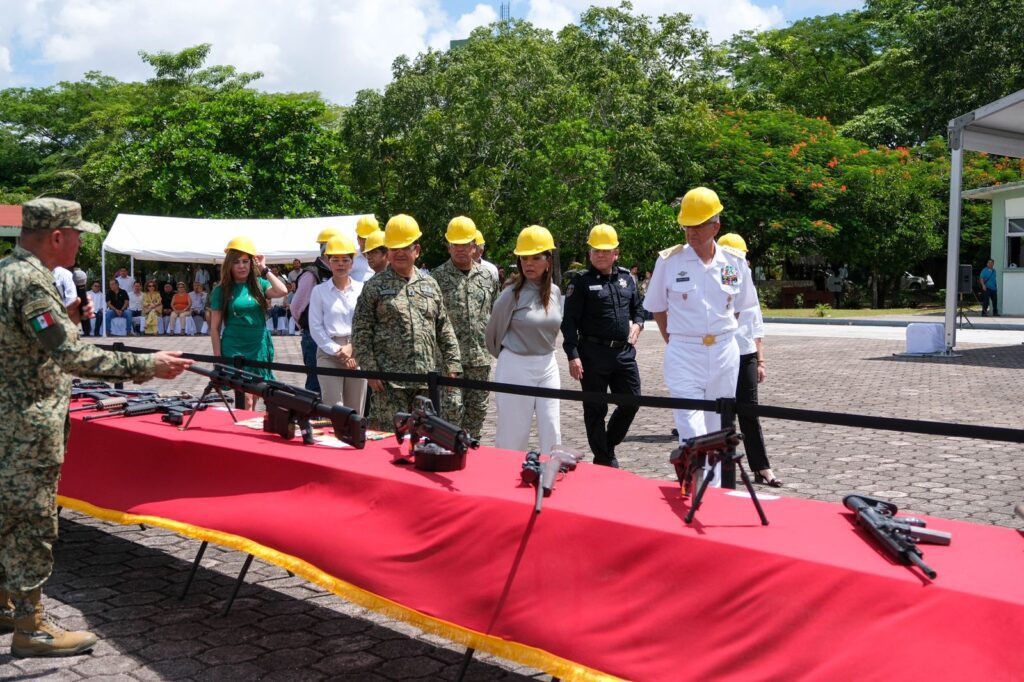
568, 292
47, 328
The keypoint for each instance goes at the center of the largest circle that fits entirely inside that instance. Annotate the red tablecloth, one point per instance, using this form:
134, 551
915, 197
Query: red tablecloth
608, 580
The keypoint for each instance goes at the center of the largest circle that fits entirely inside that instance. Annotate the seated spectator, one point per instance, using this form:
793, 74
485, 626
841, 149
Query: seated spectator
197, 306
117, 306
98, 306
278, 309
135, 304
166, 294
152, 307
180, 306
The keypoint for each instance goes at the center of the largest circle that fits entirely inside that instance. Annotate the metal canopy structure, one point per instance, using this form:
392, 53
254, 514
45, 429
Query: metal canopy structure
996, 128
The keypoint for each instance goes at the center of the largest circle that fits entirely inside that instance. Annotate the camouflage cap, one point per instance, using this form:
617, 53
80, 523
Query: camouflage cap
52, 214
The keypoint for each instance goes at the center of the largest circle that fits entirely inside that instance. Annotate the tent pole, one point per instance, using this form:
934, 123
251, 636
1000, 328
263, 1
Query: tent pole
956, 168
103, 283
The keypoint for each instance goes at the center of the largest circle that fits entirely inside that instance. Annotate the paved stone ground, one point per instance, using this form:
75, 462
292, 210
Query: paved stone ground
122, 581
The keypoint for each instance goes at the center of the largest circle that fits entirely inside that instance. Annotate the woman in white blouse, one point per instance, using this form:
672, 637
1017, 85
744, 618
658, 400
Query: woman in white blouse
521, 333
331, 306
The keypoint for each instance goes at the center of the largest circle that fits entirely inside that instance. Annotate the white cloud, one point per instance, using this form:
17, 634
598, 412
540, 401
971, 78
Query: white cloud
336, 48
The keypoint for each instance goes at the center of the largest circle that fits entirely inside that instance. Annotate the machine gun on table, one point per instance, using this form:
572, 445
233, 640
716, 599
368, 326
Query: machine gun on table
898, 537
435, 444
715, 446
289, 408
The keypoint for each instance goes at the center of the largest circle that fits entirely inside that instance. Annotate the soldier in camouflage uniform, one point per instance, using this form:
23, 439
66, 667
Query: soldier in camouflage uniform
469, 291
400, 325
41, 350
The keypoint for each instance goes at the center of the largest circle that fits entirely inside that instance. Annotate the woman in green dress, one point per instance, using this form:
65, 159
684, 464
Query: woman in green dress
238, 308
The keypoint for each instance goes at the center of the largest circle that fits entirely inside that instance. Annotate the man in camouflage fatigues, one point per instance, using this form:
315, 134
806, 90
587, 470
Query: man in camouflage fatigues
469, 291
41, 350
400, 325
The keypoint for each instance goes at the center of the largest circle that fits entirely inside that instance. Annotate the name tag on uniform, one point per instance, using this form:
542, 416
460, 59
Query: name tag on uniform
682, 279
596, 287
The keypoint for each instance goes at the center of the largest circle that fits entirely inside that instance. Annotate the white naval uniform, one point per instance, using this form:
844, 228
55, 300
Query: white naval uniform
702, 358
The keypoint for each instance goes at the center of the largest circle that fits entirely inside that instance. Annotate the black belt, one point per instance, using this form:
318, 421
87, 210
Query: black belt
611, 343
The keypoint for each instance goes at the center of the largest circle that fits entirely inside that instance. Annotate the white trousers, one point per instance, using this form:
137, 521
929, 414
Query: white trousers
347, 391
699, 372
515, 412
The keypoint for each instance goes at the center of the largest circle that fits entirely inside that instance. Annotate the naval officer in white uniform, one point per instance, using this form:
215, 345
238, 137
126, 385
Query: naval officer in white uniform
696, 293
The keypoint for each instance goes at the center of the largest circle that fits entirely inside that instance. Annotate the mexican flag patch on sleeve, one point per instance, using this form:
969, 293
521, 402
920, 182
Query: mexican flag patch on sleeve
41, 322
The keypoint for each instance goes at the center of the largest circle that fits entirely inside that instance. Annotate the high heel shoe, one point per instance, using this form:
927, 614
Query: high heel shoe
761, 480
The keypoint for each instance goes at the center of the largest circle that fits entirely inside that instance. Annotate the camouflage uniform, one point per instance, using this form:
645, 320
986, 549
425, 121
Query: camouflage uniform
469, 298
41, 350
401, 325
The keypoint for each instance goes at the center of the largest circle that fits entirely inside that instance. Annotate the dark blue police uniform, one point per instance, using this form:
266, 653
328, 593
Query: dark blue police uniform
595, 329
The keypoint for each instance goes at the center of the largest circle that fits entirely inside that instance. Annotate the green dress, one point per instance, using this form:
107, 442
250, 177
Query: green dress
245, 330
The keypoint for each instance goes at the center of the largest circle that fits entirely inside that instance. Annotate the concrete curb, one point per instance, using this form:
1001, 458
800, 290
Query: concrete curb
876, 322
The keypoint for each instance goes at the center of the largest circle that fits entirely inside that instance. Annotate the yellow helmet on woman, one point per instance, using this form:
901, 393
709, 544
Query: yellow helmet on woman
341, 245
243, 244
326, 234
533, 240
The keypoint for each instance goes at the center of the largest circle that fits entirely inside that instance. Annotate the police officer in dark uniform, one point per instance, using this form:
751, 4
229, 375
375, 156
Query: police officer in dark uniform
601, 323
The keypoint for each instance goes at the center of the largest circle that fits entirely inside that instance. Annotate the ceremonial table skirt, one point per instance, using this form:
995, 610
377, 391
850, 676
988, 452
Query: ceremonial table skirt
608, 581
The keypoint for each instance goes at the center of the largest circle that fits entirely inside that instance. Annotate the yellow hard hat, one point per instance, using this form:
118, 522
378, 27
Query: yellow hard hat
374, 241
401, 231
534, 239
367, 225
699, 205
479, 238
734, 244
243, 244
326, 234
461, 230
603, 237
340, 246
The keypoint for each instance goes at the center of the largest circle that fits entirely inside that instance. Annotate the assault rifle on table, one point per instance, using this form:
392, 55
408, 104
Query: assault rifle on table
173, 409
450, 441
542, 475
898, 537
717, 446
103, 401
289, 408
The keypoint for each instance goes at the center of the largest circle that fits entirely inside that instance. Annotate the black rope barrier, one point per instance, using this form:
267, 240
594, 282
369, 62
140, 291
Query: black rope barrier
433, 379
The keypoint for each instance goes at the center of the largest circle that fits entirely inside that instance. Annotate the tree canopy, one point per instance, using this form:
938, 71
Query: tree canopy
821, 138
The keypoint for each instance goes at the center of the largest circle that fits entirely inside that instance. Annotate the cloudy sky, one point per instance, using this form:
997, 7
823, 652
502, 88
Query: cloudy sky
334, 46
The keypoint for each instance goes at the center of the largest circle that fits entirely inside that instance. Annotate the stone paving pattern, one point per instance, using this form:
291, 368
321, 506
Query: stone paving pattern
122, 581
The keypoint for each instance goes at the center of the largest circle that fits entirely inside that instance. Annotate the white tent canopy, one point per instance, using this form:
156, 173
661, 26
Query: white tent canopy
200, 240
996, 128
